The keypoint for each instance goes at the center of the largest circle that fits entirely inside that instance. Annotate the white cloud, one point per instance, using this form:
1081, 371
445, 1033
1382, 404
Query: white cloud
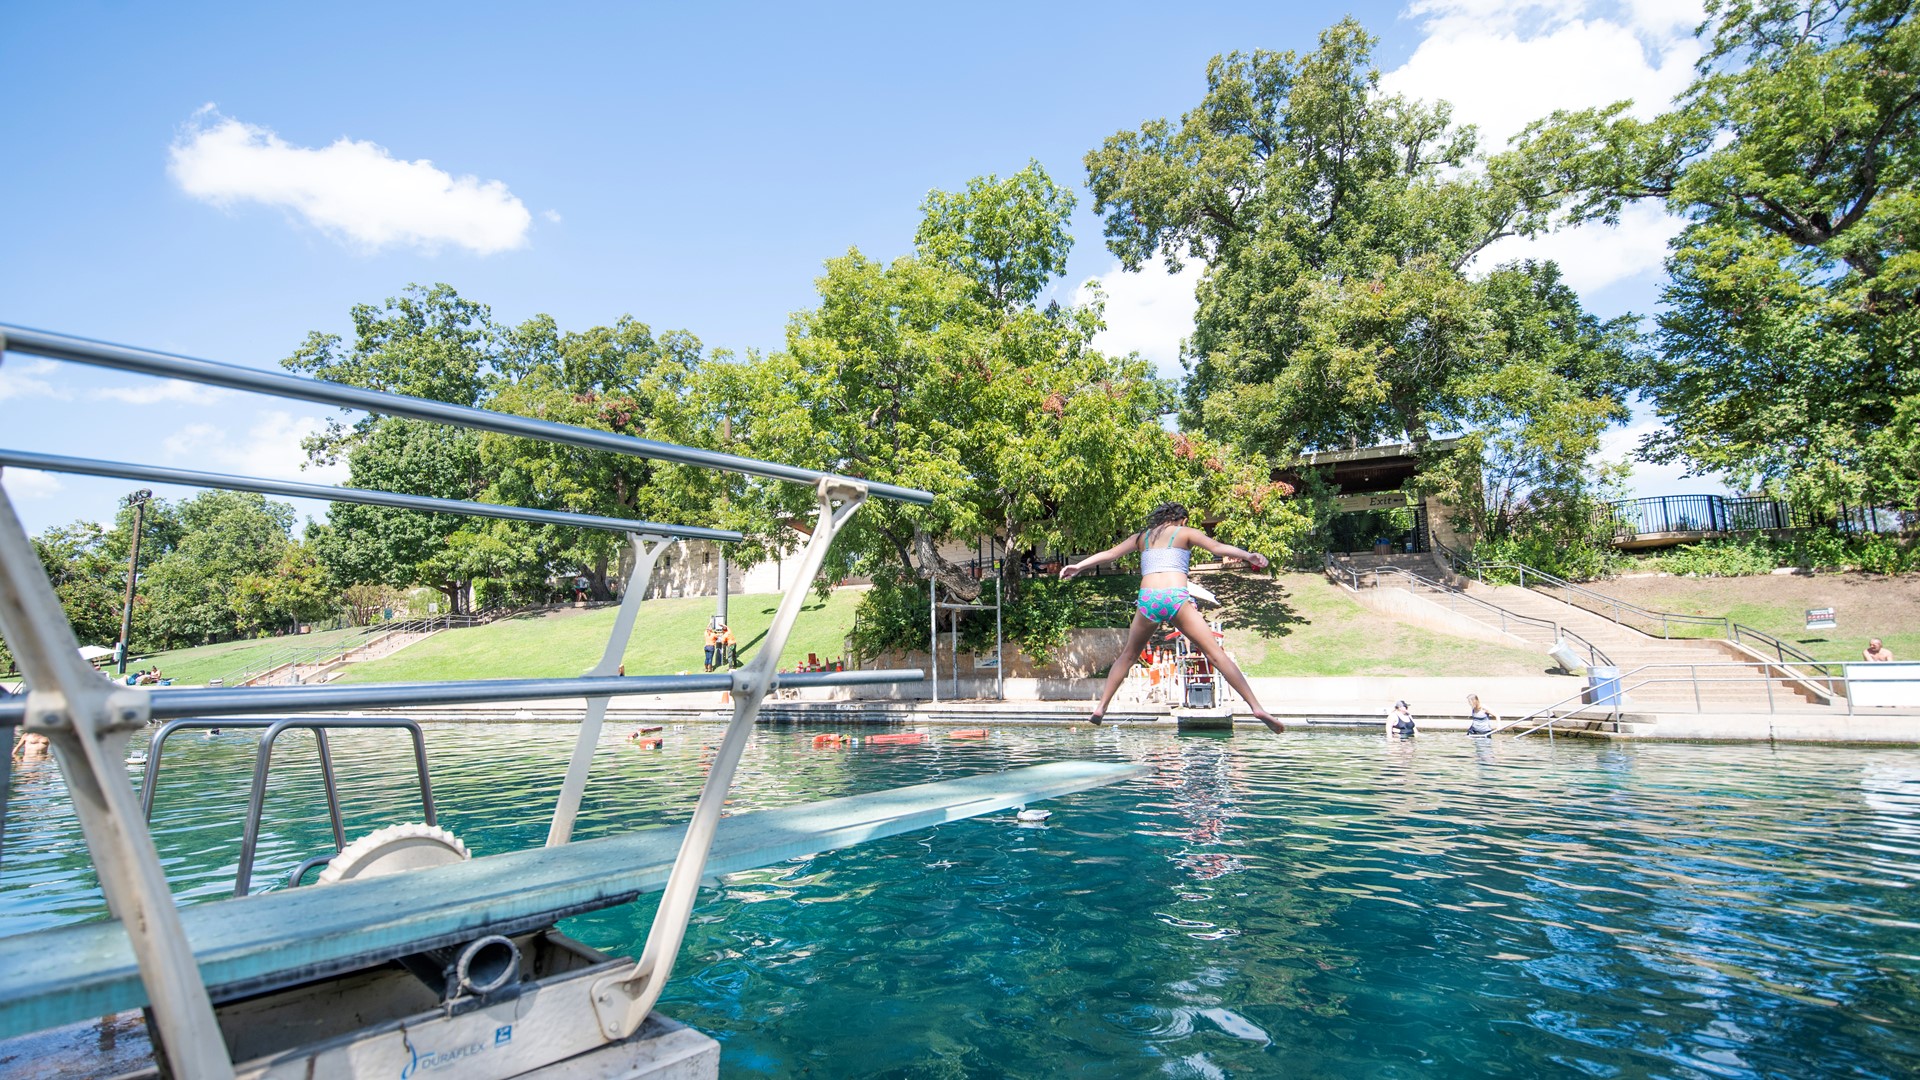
1647, 480
551, 215
1501, 78
1149, 312
270, 449
1506, 63
167, 390
30, 483
353, 190
1595, 255
28, 378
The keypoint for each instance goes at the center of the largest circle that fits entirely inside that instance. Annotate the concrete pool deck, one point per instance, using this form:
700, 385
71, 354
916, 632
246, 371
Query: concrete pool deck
1356, 704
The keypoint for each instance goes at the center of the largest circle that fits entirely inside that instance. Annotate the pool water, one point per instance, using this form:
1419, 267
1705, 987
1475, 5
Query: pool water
1318, 904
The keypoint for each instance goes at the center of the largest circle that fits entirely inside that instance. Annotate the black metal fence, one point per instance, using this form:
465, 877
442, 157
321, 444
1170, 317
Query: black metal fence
1706, 514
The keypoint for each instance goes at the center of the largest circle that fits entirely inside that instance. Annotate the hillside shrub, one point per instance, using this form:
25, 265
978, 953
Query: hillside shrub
1815, 549
1721, 558
1575, 560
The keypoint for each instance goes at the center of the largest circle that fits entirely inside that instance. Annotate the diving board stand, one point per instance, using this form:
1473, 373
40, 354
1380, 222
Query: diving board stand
476, 935
275, 942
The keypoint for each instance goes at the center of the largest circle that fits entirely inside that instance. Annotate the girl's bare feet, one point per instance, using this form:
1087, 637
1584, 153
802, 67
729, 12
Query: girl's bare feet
1266, 718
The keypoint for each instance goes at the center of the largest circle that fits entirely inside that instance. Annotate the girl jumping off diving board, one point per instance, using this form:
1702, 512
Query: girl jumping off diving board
1166, 547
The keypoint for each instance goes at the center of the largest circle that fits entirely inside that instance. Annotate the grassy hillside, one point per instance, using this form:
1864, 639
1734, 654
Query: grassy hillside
666, 640
1865, 606
1302, 624
196, 665
1299, 624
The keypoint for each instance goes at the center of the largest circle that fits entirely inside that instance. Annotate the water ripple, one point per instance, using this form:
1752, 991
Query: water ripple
1319, 904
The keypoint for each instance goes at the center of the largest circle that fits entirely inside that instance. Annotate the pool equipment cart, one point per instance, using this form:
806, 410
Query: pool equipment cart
451, 967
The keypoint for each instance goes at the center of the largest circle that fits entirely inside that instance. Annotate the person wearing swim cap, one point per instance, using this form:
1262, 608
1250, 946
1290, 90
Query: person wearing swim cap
1166, 550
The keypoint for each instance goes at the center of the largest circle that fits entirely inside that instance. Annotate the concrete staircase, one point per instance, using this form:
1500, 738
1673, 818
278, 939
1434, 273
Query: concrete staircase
1751, 687
328, 667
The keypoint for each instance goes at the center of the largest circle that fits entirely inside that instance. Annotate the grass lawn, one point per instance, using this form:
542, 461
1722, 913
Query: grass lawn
1865, 606
666, 640
1302, 624
196, 665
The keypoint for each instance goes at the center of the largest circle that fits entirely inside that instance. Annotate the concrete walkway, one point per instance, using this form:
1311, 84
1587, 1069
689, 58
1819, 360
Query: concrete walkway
1302, 704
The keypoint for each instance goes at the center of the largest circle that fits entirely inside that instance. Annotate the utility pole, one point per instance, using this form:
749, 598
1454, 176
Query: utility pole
138, 500
720, 605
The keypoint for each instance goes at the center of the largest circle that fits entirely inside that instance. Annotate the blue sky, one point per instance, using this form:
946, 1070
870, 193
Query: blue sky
221, 182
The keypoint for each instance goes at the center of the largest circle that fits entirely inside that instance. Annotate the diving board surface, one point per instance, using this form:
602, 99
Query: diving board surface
256, 943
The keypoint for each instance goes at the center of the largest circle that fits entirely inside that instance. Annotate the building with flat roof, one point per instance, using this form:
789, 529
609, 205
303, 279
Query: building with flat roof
1379, 502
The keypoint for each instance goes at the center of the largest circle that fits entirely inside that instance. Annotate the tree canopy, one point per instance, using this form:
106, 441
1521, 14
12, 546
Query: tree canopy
1341, 305
1790, 344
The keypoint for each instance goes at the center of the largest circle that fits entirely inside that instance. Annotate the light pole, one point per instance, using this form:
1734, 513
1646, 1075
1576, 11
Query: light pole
138, 500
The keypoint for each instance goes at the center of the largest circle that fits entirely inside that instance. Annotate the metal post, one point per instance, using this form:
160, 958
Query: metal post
139, 501
622, 1001
933, 635
999, 645
567, 807
720, 604
953, 636
90, 722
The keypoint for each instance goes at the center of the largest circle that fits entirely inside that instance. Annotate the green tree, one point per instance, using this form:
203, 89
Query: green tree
622, 379
376, 544
1009, 237
295, 590
1790, 343
938, 371
1336, 223
226, 538
426, 342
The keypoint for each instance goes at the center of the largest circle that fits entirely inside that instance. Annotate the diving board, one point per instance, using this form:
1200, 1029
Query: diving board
271, 940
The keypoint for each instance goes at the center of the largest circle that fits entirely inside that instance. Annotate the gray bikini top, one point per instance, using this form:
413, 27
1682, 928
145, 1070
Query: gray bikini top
1161, 560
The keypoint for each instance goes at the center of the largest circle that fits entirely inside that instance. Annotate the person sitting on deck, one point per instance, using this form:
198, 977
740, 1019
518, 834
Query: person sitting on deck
1877, 653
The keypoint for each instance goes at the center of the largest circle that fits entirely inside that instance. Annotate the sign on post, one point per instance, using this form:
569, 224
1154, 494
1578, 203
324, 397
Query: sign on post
1820, 618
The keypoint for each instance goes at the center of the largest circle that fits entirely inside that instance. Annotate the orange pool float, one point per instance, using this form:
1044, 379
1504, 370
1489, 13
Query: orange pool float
968, 733
899, 739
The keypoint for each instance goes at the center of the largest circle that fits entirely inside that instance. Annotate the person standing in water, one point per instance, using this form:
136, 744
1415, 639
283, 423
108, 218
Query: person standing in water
1166, 549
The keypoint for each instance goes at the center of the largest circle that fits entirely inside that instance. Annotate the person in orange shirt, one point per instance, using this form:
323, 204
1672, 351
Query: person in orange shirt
713, 643
727, 654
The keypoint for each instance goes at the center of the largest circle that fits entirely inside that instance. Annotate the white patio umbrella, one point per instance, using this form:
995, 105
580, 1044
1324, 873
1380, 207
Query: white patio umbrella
91, 653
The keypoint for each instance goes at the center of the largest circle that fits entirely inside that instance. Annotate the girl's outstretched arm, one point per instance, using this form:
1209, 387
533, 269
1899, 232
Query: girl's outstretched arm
1125, 547
1228, 551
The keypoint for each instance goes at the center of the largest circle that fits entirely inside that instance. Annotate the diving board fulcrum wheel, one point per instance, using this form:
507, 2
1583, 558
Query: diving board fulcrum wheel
395, 850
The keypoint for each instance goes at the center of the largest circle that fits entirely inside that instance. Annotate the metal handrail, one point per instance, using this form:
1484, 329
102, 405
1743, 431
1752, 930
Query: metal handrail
1665, 618
263, 763
1595, 655
168, 703
1771, 673
1781, 649
90, 720
1736, 632
366, 496
80, 350
294, 657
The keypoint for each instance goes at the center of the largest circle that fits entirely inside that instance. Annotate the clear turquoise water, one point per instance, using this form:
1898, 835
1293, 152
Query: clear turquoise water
1317, 904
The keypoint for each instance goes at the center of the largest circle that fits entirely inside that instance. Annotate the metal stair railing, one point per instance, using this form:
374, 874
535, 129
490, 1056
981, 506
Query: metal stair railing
1607, 607
91, 721
1353, 575
1771, 672
1612, 607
